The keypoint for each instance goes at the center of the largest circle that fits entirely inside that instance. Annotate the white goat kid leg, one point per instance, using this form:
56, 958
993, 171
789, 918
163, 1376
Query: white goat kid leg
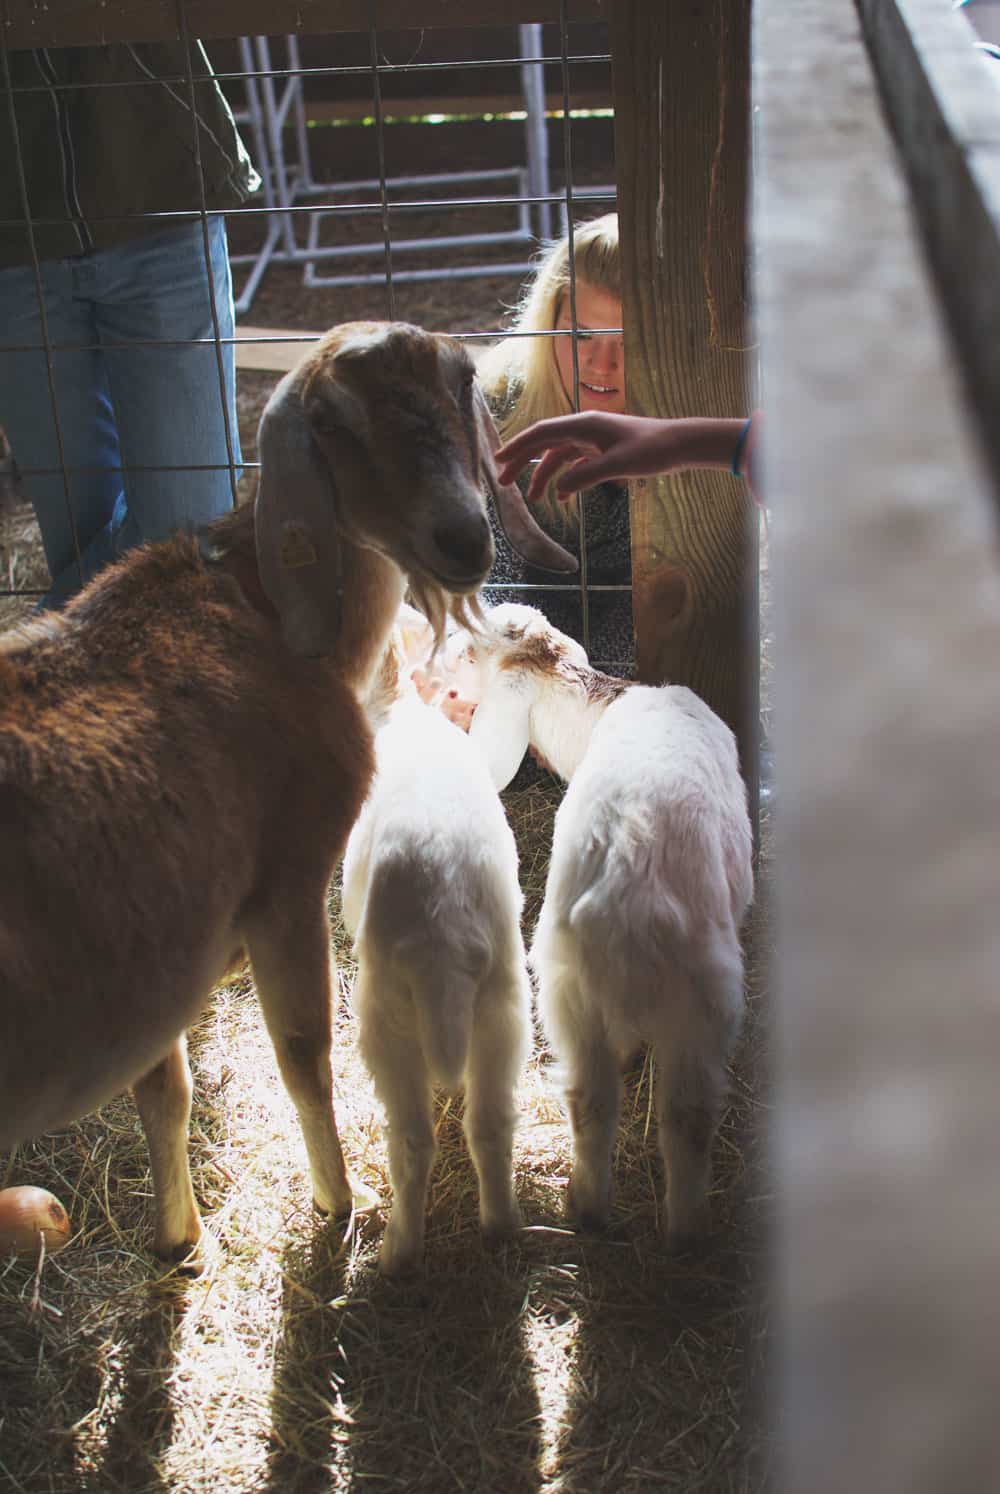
690, 1098
163, 1099
593, 1095
391, 1049
594, 1100
496, 1055
292, 971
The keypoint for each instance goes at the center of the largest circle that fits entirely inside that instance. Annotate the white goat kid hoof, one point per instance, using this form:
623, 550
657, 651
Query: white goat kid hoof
587, 1207
400, 1253
500, 1225
686, 1234
680, 1242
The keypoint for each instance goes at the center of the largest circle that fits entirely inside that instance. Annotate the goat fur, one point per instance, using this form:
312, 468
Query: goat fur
431, 897
649, 878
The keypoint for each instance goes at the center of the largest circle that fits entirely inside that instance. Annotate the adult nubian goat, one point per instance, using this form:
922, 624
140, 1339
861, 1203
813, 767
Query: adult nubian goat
183, 751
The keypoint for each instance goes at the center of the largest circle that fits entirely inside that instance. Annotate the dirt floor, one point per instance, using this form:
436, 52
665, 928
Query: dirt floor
561, 1362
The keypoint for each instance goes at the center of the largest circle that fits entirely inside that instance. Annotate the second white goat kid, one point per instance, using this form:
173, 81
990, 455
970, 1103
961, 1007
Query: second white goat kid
432, 900
649, 879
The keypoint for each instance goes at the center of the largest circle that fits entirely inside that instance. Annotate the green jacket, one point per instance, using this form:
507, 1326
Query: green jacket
93, 154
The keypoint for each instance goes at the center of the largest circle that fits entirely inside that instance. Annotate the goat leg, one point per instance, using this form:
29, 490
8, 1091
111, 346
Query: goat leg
291, 960
163, 1099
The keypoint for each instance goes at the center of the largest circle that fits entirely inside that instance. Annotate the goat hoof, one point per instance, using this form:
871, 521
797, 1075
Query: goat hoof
686, 1236
681, 1244
499, 1229
590, 1215
684, 1241
687, 1233
591, 1221
365, 1199
334, 1208
185, 1259
399, 1259
361, 1200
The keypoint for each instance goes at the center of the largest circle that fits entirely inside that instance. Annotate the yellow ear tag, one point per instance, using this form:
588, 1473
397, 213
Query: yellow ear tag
297, 548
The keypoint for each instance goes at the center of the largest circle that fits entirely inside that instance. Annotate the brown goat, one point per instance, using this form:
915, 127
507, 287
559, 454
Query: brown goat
183, 752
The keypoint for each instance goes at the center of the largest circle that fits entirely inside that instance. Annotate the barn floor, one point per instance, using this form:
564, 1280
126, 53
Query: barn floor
560, 1362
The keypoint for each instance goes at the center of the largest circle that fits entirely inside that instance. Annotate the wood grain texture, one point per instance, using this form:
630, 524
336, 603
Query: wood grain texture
943, 100
681, 79
887, 841
78, 23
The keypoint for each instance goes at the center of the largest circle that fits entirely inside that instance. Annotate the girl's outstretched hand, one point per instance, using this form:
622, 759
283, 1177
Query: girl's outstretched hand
578, 451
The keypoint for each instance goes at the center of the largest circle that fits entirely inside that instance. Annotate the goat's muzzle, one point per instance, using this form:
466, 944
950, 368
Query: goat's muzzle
464, 546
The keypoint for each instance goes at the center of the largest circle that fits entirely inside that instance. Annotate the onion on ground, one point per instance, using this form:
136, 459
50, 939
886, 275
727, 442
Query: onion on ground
27, 1212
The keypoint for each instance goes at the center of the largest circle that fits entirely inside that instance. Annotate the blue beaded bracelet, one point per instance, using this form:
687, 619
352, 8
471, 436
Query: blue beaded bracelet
741, 442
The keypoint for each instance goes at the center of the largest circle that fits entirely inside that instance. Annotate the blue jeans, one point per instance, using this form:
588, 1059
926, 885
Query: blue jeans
152, 407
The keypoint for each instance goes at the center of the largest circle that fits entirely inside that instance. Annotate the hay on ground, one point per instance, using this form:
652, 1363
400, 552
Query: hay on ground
559, 1363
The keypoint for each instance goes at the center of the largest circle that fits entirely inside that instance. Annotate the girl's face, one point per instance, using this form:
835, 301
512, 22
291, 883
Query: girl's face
601, 359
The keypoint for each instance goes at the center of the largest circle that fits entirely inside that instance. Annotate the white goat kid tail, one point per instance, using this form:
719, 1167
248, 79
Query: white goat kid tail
444, 1005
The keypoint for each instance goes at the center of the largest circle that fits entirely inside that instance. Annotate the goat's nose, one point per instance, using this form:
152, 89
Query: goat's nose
464, 543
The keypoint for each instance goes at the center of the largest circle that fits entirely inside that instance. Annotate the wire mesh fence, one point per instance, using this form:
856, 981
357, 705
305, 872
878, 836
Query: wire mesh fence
159, 194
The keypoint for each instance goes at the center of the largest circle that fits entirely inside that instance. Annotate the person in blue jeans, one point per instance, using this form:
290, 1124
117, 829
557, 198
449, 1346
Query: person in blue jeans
103, 403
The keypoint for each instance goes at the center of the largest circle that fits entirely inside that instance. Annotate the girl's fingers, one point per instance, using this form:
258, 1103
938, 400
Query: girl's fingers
577, 430
552, 462
582, 474
568, 456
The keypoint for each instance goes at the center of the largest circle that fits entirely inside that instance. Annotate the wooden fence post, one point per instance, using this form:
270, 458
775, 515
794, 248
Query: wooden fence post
682, 121
887, 822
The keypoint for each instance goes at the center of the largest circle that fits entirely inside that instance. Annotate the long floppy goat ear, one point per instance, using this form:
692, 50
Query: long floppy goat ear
299, 553
500, 728
524, 535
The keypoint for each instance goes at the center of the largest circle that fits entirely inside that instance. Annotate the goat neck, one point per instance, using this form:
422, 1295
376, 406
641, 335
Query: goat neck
370, 589
373, 588
566, 708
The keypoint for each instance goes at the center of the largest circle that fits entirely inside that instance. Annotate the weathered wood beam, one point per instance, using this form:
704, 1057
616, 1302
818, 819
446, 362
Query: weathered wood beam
943, 98
78, 23
887, 843
681, 83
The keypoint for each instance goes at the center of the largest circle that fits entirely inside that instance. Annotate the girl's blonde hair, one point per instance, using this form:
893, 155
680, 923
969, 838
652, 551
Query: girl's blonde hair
519, 375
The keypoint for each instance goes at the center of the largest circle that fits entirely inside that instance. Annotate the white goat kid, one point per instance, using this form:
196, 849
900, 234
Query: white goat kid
431, 897
649, 878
